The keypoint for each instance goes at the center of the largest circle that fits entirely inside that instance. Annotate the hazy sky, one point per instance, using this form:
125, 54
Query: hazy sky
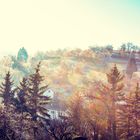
52, 24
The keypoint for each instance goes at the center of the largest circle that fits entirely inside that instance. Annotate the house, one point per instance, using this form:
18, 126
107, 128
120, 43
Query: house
55, 108
56, 112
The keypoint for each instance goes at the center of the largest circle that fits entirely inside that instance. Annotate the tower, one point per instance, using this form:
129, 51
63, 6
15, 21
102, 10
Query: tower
131, 66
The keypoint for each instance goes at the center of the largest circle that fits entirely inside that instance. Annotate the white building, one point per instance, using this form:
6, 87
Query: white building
55, 107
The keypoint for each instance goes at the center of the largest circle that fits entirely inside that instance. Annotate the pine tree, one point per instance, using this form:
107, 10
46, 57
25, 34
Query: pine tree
136, 111
22, 95
75, 108
22, 108
37, 101
129, 116
6, 91
7, 95
124, 118
6, 131
115, 80
111, 95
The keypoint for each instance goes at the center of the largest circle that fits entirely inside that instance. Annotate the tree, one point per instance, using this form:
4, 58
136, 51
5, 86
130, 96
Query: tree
21, 99
109, 48
75, 110
123, 47
60, 129
110, 95
115, 92
96, 48
21, 108
37, 101
76, 114
136, 111
129, 116
7, 95
129, 47
6, 131
124, 118
6, 91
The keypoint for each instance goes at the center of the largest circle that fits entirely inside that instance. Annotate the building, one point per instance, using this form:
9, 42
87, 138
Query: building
56, 109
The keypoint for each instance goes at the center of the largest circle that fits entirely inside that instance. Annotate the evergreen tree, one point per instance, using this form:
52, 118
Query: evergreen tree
22, 110
115, 80
111, 95
7, 95
129, 116
6, 91
6, 131
124, 119
136, 111
21, 100
75, 113
37, 101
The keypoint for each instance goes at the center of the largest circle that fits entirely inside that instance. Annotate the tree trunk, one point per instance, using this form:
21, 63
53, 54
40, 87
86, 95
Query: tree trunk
114, 135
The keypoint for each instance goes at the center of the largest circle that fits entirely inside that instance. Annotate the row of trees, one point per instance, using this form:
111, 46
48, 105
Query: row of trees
129, 47
24, 114
126, 47
102, 111
23, 109
107, 111
97, 49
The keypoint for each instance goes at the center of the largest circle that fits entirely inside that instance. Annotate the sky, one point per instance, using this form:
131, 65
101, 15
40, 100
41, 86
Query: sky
41, 25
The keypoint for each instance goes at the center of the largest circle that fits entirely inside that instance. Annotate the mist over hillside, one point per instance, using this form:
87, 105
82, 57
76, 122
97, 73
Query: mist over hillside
52, 87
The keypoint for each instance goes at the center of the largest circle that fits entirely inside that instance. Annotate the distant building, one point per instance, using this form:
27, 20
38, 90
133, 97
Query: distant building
22, 55
56, 109
56, 112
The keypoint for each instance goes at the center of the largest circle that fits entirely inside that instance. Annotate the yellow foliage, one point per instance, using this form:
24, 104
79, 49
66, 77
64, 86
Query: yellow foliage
75, 78
95, 75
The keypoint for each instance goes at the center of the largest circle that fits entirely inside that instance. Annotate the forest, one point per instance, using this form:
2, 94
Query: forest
101, 96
